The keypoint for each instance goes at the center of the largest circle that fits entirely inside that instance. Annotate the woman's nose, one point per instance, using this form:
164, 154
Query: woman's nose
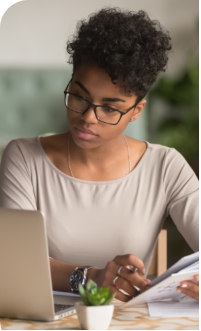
90, 116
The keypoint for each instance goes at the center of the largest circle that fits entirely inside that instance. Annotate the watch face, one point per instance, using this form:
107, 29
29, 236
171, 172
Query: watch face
75, 279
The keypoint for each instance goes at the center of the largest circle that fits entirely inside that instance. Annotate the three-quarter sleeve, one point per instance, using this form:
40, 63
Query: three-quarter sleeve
182, 193
16, 190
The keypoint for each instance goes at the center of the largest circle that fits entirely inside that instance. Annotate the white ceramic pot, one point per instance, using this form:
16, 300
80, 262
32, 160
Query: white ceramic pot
94, 317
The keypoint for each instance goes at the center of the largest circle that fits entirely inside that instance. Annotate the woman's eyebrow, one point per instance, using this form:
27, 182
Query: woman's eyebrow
104, 99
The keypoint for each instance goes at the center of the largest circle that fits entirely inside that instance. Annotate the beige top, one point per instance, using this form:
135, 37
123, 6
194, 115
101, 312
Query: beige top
91, 222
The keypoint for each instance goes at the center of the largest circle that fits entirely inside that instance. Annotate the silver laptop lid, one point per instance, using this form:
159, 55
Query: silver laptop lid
25, 278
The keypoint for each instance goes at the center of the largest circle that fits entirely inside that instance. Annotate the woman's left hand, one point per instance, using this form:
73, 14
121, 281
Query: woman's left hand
190, 288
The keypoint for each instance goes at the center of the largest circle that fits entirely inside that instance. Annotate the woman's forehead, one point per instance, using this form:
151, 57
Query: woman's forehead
97, 81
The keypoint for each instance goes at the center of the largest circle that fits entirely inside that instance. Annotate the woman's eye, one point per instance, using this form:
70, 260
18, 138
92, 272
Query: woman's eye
108, 109
78, 97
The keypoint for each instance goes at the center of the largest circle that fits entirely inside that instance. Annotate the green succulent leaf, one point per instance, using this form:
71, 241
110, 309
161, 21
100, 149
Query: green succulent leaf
93, 301
82, 294
81, 289
94, 290
109, 299
105, 291
91, 285
94, 296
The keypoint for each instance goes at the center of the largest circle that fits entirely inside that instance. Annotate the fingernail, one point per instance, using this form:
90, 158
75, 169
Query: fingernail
184, 285
178, 289
143, 272
147, 280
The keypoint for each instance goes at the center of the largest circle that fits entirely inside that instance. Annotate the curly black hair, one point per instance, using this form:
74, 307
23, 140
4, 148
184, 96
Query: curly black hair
130, 46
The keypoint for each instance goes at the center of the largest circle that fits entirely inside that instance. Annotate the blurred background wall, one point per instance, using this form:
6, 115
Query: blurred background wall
34, 73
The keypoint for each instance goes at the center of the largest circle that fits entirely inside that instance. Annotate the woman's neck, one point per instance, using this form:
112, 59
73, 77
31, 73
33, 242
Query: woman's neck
102, 157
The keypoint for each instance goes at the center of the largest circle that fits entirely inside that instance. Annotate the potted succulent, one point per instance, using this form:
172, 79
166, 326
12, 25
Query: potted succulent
95, 312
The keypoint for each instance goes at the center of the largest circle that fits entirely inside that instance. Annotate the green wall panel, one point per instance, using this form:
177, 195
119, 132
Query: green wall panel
31, 102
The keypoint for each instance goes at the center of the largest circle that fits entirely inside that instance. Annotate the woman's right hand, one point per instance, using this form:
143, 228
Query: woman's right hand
127, 279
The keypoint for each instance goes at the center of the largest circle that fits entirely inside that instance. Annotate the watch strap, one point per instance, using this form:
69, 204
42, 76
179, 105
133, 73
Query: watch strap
84, 270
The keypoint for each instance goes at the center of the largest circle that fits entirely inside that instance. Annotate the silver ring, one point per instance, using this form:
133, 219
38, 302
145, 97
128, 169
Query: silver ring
133, 269
137, 288
119, 271
115, 279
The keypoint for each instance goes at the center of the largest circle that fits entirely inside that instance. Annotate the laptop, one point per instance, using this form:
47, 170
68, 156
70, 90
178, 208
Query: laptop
25, 278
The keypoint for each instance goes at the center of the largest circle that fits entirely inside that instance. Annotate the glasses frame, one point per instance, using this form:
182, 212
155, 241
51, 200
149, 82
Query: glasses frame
95, 107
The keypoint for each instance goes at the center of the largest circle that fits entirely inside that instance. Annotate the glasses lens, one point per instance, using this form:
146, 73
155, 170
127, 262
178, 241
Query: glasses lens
76, 103
108, 115
80, 105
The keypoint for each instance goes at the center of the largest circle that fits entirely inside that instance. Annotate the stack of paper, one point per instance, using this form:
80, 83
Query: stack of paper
192, 267
163, 294
183, 308
181, 266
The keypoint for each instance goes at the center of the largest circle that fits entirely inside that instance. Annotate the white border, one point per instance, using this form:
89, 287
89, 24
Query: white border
5, 4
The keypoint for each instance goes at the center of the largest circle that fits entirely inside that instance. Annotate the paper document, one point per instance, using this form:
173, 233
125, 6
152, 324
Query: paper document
164, 290
180, 265
183, 308
192, 267
165, 286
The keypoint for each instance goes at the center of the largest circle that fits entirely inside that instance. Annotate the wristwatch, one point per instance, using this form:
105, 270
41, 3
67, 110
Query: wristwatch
78, 276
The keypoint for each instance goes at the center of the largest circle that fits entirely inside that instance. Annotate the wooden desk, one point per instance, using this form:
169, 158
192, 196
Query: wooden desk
123, 319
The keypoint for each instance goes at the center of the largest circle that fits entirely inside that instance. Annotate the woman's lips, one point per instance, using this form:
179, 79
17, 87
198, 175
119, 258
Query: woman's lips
84, 135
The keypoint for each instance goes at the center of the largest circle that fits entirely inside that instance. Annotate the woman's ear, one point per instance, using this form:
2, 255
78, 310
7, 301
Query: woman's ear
137, 110
72, 75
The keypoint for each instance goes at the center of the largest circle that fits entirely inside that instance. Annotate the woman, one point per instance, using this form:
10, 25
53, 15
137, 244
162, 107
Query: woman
105, 195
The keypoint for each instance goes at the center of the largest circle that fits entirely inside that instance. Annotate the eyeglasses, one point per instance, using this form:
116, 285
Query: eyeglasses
104, 114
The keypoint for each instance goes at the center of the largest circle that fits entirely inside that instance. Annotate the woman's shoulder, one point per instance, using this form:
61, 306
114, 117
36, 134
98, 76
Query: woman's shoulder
34, 145
145, 144
20, 146
17, 155
55, 147
23, 150
157, 154
139, 147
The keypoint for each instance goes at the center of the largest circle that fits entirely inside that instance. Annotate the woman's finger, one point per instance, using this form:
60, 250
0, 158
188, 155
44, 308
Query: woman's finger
130, 259
190, 285
134, 279
123, 284
119, 295
147, 280
196, 278
188, 292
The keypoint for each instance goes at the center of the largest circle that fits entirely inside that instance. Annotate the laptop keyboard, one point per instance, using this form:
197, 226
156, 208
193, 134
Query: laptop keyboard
58, 307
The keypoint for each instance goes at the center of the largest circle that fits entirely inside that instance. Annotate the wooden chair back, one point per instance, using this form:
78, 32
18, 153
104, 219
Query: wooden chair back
159, 259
